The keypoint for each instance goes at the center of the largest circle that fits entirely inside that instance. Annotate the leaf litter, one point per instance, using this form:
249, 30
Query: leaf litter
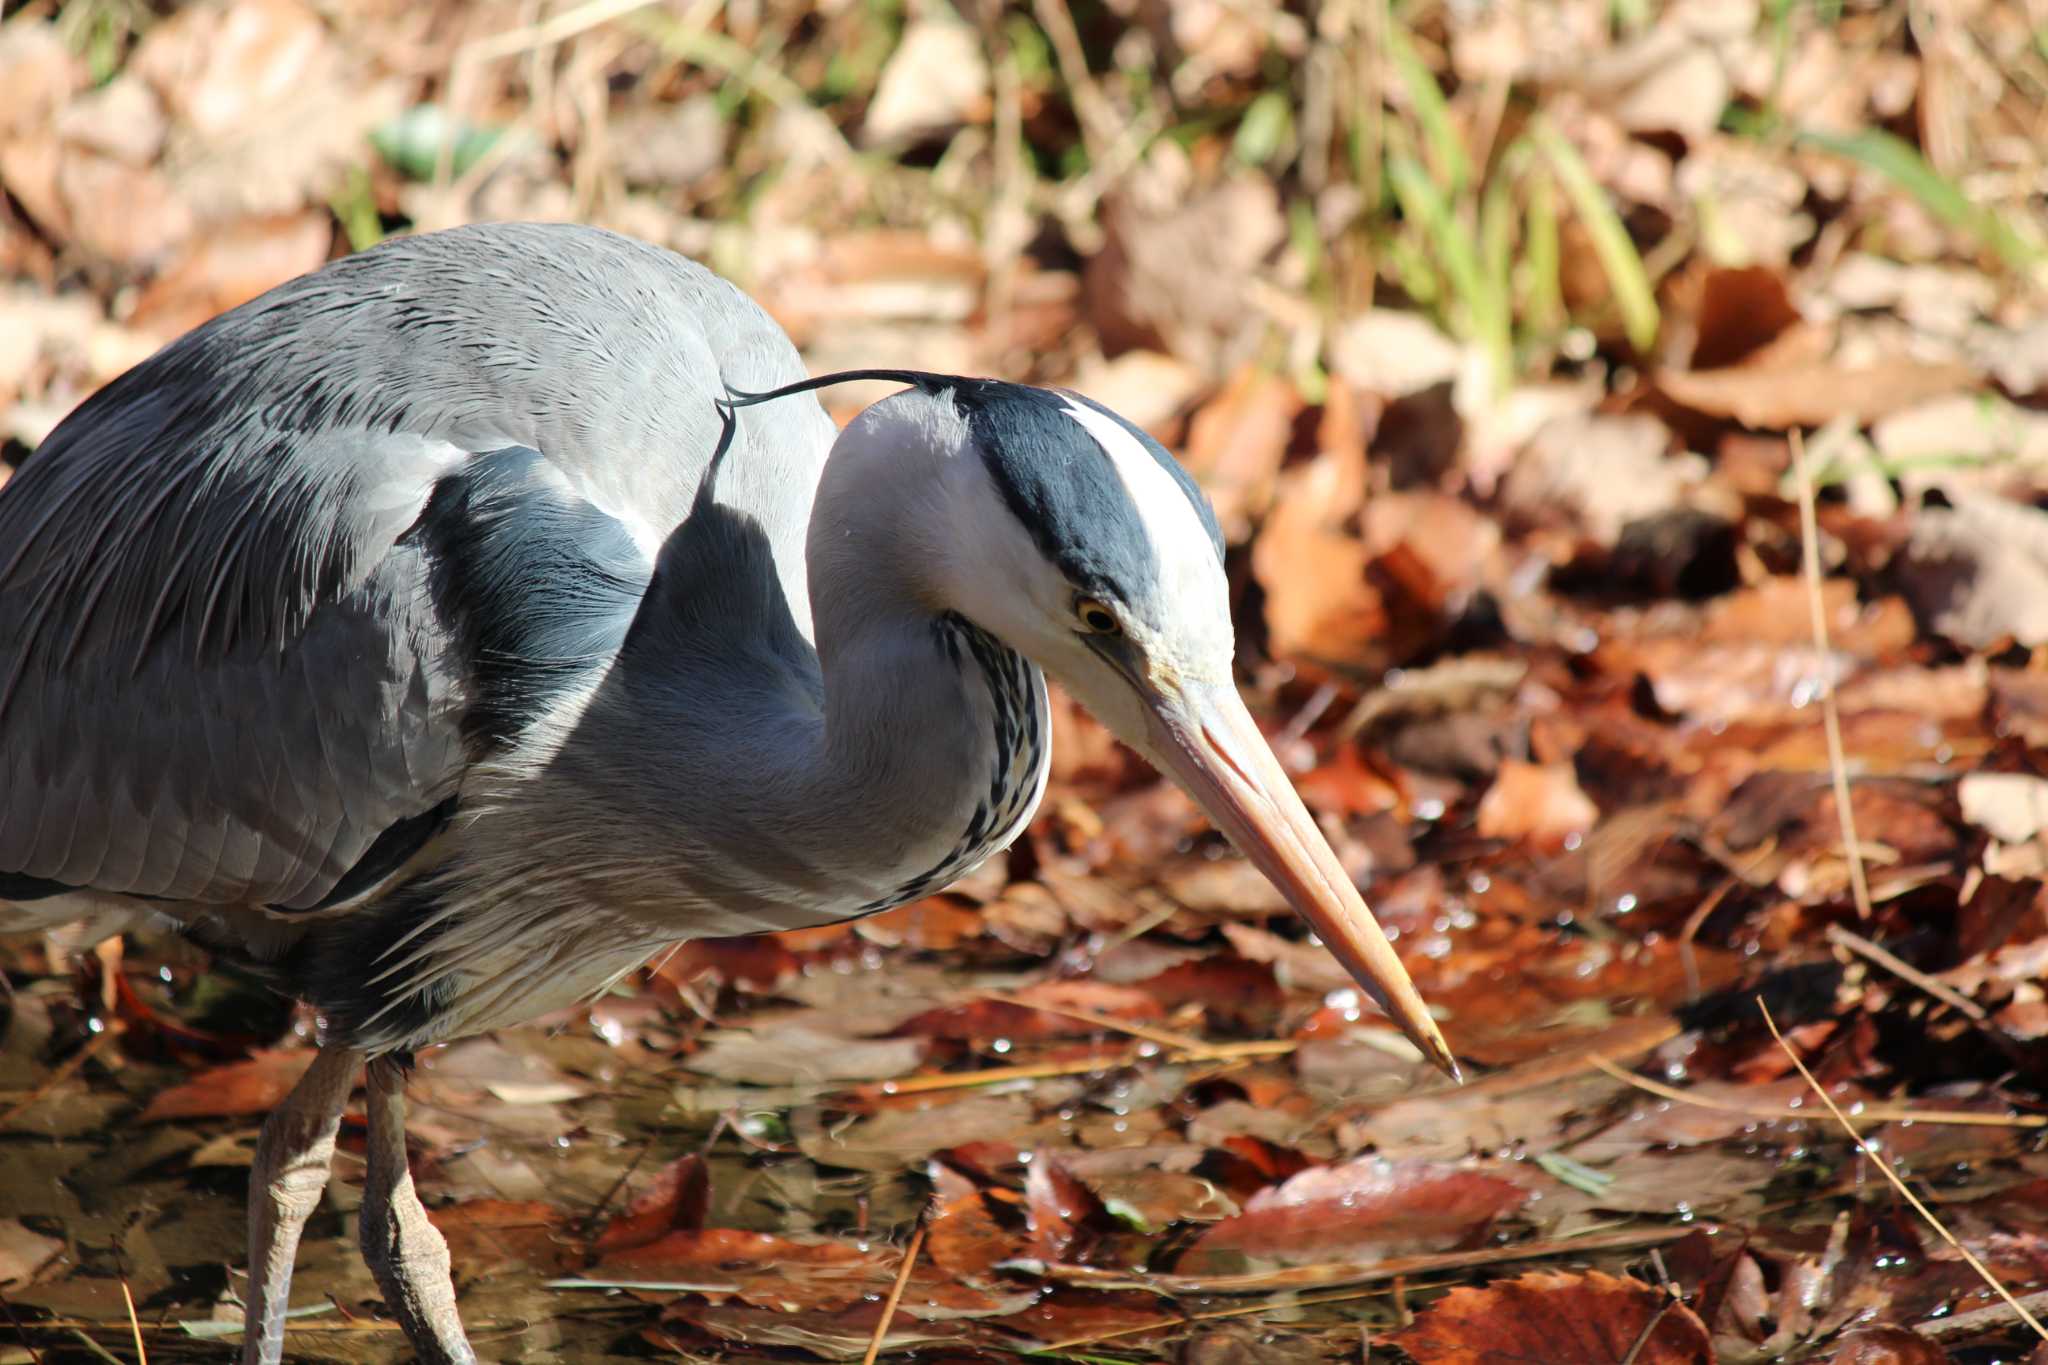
1491, 335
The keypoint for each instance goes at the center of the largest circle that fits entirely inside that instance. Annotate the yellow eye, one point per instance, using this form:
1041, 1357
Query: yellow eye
1096, 617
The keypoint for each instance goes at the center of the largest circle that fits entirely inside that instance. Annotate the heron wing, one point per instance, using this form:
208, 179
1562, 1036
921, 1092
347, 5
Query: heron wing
265, 598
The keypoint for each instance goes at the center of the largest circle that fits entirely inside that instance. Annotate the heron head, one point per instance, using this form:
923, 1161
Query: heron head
1076, 539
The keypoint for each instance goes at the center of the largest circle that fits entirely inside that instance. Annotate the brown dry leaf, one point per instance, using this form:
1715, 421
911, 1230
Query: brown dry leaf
1887, 1346
133, 216
1539, 802
760, 962
491, 1235
1670, 77
1318, 603
898, 1138
965, 1238
1360, 1210
797, 1055
1601, 471
933, 924
252, 1087
2009, 806
1297, 966
786, 1273
1236, 443
935, 80
1736, 312
268, 108
1557, 1319
230, 265
1977, 571
23, 1253
1063, 1215
1775, 398
38, 76
1148, 387
1016, 1018
1393, 353
677, 1200
1176, 270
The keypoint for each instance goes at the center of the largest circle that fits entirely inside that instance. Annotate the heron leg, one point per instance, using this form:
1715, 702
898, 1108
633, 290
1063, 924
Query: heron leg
285, 1181
406, 1253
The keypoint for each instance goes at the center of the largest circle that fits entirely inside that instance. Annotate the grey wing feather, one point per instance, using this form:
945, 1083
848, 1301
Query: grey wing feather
234, 645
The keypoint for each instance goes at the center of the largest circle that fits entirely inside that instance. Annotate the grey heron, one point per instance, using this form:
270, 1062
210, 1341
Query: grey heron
452, 628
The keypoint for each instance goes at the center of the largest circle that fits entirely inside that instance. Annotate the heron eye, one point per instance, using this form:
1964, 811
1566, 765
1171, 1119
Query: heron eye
1096, 618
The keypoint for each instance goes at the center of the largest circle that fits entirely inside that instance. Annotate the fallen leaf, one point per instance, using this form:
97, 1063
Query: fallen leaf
935, 80
229, 265
489, 1235
794, 1054
1977, 571
1557, 1319
787, 1273
966, 1239
1774, 398
677, 1201
1363, 1210
1176, 269
1539, 802
1887, 1346
1063, 1216
1236, 443
241, 1088
23, 1253
1600, 471
1395, 353
2008, 806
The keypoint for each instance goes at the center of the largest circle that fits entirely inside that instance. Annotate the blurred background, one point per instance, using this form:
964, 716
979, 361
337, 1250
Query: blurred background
1630, 426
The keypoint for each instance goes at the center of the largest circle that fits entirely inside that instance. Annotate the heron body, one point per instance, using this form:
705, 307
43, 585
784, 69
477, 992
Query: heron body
446, 632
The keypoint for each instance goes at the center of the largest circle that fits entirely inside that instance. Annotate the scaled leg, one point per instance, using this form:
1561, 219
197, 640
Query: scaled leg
290, 1171
406, 1253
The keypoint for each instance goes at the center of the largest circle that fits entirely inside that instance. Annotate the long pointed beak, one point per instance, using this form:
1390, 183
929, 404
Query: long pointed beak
1209, 743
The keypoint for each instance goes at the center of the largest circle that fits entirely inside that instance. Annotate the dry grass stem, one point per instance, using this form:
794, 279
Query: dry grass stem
1180, 1042
134, 1324
895, 1296
1879, 1113
1830, 714
1905, 971
1884, 1168
1330, 1274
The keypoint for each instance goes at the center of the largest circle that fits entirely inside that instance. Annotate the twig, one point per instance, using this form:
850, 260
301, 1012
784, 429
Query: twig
1881, 1113
961, 1080
895, 1296
1180, 1042
98, 1350
1979, 1320
1243, 1310
1946, 994
1331, 1274
35, 1356
64, 1070
1830, 715
1884, 1168
1635, 1350
1098, 121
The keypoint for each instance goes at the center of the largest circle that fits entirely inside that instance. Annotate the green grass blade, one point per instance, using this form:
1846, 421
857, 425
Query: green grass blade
1542, 257
1611, 242
1484, 308
1433, 112
1901, 163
